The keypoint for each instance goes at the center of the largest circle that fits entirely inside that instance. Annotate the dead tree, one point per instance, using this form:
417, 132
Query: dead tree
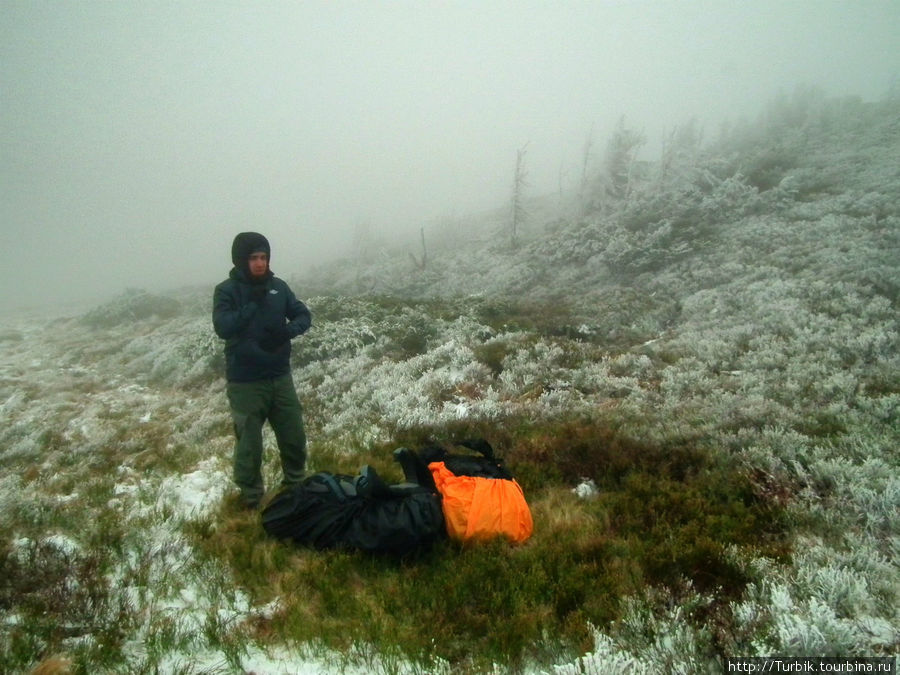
519, 184
621, 153
420, 264
585, 164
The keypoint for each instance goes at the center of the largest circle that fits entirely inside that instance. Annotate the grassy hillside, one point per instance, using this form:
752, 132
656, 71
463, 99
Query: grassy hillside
713, 344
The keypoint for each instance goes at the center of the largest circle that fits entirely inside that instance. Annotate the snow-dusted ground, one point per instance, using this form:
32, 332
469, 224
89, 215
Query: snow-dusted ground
776, 337
69, 393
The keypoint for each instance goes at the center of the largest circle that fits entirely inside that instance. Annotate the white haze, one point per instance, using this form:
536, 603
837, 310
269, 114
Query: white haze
138, 138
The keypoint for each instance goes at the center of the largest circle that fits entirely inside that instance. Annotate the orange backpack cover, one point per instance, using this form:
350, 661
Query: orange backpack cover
477, 508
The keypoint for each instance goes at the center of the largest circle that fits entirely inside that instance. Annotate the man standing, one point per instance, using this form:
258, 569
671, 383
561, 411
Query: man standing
257, 314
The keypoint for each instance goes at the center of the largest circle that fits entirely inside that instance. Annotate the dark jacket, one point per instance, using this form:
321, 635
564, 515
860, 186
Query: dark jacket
245, 323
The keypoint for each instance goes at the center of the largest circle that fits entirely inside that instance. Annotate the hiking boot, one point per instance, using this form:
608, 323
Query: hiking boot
240, 502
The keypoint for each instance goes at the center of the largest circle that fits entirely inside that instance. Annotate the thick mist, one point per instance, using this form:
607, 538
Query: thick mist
138, 139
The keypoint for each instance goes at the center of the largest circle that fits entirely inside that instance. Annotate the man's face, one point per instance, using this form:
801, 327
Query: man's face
259, 264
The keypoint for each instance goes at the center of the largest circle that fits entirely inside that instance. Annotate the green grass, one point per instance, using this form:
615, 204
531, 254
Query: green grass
60, 596
667, 516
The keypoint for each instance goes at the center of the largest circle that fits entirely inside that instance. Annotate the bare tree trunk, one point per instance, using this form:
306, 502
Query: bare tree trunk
421, 264
585, 163
519, 185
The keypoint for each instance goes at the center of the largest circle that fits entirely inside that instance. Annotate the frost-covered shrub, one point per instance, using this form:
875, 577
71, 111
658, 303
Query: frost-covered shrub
538, 366
651, 638
860, 494
805, 346
132, 305
11, 336
835, 603
716, 311
573, 244
10, 495
372, 397
176, 353
334, 339
492, 353
767, 167
657, 227
808, 183
609, 378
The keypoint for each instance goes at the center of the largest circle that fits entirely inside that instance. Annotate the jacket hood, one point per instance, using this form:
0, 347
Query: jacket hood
246, 243
243, 245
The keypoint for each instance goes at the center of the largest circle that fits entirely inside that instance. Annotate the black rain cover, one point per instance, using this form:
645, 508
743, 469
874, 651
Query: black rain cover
319, 514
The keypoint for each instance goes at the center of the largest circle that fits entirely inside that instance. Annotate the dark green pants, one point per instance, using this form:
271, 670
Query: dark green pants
252, 403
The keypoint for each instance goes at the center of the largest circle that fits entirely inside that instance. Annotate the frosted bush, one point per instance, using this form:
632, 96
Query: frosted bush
596, 380
202, 427
812, 629
14, 401
780, 345
789, 342
570, 245
405, 394
774, 452
133, 305
631, 365
836, 602
10, 495
606, 657
840, 588
335, 339
538, 366
176, 353
653, 641
732, 199
687, 379
867, 494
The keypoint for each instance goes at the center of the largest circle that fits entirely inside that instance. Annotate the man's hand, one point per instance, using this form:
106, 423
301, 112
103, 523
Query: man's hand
275, 338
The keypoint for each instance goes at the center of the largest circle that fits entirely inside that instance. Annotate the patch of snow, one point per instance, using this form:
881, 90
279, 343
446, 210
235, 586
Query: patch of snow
12, 402
63, 544
124, 489
587, 489
194, 495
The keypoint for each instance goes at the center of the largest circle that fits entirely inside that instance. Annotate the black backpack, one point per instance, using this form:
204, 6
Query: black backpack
488, 465
360, 512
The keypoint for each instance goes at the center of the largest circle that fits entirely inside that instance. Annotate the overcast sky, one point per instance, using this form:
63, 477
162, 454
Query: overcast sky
138, 137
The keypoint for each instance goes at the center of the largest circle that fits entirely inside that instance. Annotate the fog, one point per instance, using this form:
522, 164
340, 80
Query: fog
138, 138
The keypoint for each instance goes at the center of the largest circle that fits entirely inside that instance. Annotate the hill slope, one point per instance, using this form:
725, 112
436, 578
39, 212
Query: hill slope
715, 346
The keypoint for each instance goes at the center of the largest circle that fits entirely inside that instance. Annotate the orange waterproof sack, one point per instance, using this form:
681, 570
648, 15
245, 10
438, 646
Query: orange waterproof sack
477, 508
481, 500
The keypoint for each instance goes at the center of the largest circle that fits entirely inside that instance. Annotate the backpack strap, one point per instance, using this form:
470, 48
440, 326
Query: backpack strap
479, 445
369, 484
332, 483
485, 466
415, 470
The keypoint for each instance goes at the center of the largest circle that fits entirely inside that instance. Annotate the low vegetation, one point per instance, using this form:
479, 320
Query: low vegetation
668, 518
695, 381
